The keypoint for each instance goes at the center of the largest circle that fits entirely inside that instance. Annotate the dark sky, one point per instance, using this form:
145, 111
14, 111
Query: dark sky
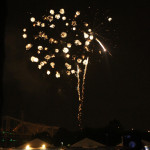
116, 88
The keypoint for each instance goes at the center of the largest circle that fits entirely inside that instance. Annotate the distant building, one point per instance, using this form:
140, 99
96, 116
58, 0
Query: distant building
24, 128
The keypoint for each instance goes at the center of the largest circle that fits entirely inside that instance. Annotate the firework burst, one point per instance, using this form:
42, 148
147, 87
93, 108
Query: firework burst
62, 45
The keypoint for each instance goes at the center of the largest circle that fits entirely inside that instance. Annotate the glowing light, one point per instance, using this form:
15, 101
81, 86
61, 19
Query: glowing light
67, 24
78, 85
52, 12
86, 35
34, 59
32, 19
45, 18
65, 50
51, 40
42, 24
68, 66
63, 34
24, 36
104, 49
85, 62
48, 73
77, 13
57, 74
69, 45
35, 37
52, 26
68, 73
50, 18
42, 35
28, 46
43, 146
74, 28
91, 37
74, 23
89, 30
52, 64
63, 18
85, 70
42, 63
47, 57
57, 16
67, 55
87, 43
53, 56
56, 50
62, 11
39, 66
73, 71
40, 47
109, 19
55, 41
38, 23
45, 48
146, 148
28, 147
73, 57
79, 60
81, 94
24, 30
83, 56
86, 24
86, 48
78, 42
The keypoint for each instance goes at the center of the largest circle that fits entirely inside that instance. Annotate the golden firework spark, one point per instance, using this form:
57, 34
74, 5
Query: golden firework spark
104, 49
72, 43
84, 75
78, 85
24, 36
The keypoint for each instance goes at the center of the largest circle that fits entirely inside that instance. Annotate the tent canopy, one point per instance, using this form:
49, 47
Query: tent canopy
87, 143
36, 143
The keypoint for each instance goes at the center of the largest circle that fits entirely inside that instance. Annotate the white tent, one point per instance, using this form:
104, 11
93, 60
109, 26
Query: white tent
87, 143
36, 143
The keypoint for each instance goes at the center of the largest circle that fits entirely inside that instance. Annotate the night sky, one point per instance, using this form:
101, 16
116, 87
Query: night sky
116, 88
